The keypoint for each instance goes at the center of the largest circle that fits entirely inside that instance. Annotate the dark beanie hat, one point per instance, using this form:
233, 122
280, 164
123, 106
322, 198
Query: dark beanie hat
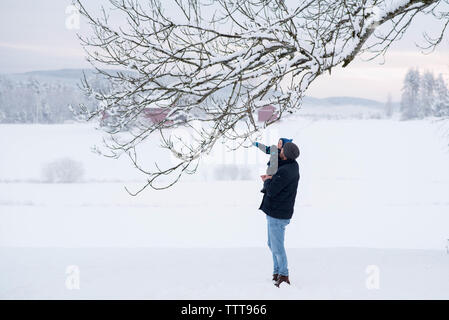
291, 150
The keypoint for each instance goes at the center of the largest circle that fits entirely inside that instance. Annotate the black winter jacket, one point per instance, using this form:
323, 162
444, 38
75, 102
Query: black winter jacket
279, 198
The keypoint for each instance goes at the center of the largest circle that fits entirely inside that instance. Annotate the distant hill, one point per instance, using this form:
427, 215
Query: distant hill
68, 76
342, 101
343, 108
62, 73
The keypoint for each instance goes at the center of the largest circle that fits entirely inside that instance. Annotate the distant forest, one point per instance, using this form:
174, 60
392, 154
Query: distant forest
45, 96
36, 100
424, 95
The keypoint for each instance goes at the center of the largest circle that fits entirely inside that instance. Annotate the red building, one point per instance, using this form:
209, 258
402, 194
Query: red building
267, 113
156, 115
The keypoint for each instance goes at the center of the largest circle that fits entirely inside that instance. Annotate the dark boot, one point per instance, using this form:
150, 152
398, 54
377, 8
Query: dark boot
275, 277
281, 279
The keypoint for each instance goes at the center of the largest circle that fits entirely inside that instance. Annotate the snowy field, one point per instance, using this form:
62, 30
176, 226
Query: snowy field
372, 193
231, 273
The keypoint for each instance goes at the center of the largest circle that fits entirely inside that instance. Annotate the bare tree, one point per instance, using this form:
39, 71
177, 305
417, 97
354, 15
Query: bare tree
215, 63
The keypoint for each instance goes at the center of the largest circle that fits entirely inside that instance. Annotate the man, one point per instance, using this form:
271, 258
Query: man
277, 203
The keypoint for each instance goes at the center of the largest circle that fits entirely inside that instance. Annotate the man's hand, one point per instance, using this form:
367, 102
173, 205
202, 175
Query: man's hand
265, 177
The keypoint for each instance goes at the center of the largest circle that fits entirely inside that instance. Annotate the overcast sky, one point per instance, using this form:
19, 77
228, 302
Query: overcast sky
34, 36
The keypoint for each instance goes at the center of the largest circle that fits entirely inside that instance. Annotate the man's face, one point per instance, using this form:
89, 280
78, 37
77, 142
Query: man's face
281, 154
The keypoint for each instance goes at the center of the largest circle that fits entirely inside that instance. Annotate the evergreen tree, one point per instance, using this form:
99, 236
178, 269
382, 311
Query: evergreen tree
440, 107
410, 95
2, 116
46, 113
427, 95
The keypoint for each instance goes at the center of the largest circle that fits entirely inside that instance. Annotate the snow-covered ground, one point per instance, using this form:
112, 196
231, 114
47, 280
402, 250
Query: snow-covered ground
372, 192
221, 273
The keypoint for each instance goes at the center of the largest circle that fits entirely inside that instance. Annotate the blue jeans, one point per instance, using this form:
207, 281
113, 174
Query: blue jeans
276, 232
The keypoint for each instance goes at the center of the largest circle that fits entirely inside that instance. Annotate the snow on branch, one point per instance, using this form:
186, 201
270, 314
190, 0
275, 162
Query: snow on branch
215, 63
